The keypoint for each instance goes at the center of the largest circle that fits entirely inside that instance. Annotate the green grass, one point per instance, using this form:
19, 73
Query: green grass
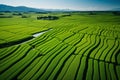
76, 47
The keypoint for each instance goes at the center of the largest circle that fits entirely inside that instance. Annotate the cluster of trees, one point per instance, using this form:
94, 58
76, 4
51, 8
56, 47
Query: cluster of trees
6, 16
92, 13
25, 16
17, 14
116, 13
47, 18
41, 12
1, 13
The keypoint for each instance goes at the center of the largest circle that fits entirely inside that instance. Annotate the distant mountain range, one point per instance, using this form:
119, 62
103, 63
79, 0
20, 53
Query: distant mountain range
4, 7
19, 8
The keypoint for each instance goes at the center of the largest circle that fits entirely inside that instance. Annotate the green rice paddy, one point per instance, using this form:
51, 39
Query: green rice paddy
76, 47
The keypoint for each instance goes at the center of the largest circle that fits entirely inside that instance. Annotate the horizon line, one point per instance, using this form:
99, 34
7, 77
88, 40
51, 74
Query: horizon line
68, 9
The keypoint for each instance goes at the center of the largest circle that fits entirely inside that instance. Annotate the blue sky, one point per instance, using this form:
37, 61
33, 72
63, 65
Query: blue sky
66, 4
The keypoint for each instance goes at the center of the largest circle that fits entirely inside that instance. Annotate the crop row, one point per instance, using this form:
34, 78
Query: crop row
62, 54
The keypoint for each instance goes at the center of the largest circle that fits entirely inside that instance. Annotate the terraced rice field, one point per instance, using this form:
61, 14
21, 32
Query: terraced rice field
78, 47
